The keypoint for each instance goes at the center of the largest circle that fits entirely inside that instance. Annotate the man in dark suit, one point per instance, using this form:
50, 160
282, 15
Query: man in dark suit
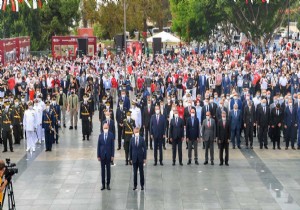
290, 124
187, 110
276, 119
105, 154
262, 118
64, 84
223, 133
249, 122
110, 122
202, 84
146, 116
125, 99
176, 136
208, 134
221, 109
192, 136
138, 156
213, 107
157, 132
235, 120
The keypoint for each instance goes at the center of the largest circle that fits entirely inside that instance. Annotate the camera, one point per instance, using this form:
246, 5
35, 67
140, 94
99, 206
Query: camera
10, 169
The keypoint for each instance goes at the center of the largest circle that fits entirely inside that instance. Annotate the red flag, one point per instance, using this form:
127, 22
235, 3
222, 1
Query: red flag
13, 5
263, 1
246, 1
40, 3
4, 5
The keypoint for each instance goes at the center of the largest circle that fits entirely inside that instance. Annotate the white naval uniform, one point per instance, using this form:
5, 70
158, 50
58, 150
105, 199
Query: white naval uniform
136, 116
39, 114
30, 125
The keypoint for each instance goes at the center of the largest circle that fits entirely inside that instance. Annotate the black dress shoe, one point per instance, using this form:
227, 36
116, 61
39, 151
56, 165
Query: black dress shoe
247, 147
173, 164
126, 163
151, 148
221, 164
186, 147
227, 164
260, 147
119, 148
196, 162
266, 147
212, 163
103, 187
293, 148
279, 148
155, 164
71, 127
46, 150
273, 148
83, 138
134, 188
203, 147
251, 147
181, 164
161, 163
298, 148
189, 162
108, 187
206, 162
239, 147
4, 151
64, 125
142, 188
75, 127
233, 147
11, 150
165, 148
286, 148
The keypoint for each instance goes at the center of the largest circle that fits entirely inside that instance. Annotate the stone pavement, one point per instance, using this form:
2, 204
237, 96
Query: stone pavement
68, 178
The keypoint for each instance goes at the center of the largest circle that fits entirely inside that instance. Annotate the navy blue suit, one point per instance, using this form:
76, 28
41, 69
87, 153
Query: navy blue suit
238, 102
111, 127
126, 102
192, 131
226, 85
157, 130
235, 122
290, 120
137, 154
105, 151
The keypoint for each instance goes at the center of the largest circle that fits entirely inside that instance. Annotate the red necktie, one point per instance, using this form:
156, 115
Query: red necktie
208, 124
224, 124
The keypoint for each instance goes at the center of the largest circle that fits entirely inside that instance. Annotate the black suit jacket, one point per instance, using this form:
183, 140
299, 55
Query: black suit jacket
146, 116
176, 130
219, 113
192, 131
203, 112
262, 118
187, 114
223, 134
249, 115
275, 119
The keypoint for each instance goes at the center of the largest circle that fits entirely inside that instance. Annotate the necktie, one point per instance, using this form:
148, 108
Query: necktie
208, 123
277, 112
108, 122
224, 124
105, 138
206, 108
157, 118
176, 121
192, 121
265, 110
136, 141
235, 113
291, 109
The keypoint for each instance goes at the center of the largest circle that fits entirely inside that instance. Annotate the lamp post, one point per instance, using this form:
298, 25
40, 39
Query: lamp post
125, 45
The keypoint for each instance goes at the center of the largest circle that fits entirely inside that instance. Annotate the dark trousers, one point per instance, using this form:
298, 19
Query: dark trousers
120, 131
209, 145
290, 135
105, 165
147, 137
249, 134
139, 165
276, 136
48, 139
6, 135
177, 143
158, 142
85, 127
127, 138
263, 135
224, 146
17, 133
235, 134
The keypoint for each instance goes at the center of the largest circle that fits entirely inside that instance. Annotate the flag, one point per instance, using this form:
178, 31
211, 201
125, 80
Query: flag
13, 6
263, 1
34, 4
4, 5
26, 1
40, 3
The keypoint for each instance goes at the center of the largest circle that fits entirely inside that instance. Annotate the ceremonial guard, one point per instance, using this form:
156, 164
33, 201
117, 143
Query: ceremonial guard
61, 100
17, 115
7, 126
103, 111
55, 108
39, 113
136, 114
23, 107
48, 120
30, 125
120, 117
92, 106
85, 113
129, 125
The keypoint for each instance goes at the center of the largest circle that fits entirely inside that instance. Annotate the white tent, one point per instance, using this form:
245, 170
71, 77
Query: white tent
165, 38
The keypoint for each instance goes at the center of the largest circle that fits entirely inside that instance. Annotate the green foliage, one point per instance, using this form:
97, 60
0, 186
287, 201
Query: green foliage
55, 18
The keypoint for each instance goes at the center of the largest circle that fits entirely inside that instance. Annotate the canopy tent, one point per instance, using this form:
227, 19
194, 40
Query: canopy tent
165, 38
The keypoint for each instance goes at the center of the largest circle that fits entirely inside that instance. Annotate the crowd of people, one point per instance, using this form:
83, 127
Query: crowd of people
217, 98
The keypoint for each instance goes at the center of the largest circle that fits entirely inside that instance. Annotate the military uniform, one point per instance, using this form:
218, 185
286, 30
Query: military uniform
129, 125
23, 107
17, 115
1, 109
56, 111
104, 110
7, 127
85, 113
92, 106
120, 117
30, 126
48, 123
